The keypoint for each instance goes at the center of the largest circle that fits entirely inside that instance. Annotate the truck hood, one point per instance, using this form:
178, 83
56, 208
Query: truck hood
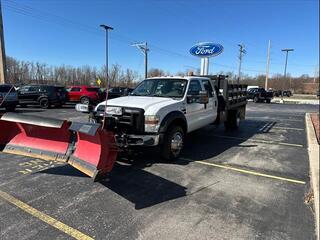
149, 104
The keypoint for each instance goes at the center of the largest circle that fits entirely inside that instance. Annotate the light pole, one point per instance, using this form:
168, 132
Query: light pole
287, 50
107, 28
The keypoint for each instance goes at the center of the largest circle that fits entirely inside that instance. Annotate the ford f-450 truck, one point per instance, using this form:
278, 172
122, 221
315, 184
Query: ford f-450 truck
162, 110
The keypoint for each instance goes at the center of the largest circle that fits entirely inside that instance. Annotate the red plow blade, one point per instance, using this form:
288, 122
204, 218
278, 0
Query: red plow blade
95, 150
35, 136
85, 146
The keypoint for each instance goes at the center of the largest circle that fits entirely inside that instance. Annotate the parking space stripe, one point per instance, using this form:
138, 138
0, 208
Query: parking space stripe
274, 119
260, 141
44, 217
289, 128
247, 171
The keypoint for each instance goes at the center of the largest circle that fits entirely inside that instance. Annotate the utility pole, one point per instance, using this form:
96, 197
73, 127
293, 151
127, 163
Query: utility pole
106, 28
287, 50
3, 68
144, 49
242, 51
316, 73
268, 66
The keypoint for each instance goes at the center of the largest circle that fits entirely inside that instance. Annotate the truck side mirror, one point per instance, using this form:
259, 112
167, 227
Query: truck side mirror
200, 97
85, 108
203, 97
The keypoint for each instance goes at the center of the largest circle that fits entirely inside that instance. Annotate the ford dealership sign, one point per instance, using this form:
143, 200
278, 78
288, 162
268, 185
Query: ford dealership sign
206, 49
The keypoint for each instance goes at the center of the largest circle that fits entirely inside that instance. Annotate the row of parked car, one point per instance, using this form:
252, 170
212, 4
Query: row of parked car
47, 96
258, 94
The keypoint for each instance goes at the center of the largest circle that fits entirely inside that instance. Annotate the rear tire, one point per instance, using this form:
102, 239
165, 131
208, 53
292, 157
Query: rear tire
173, 143
44, 103
233, 120
85, 100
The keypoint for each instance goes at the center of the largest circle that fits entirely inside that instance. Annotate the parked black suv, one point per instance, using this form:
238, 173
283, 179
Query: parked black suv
259, 95
119, 92
43, 95
8, 97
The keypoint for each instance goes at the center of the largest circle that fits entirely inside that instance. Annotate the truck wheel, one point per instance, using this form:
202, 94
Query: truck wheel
233, 120
173, 143
44, 103
256, 99
85, 100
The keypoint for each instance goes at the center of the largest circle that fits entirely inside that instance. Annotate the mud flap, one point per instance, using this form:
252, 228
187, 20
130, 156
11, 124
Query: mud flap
32, 136
95, 150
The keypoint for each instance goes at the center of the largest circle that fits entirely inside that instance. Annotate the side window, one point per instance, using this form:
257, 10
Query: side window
194, 87
33, 89
208, 87
24, 89
75, 89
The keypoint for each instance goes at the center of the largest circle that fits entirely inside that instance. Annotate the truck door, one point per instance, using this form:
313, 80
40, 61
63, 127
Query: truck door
212, 106
195, 112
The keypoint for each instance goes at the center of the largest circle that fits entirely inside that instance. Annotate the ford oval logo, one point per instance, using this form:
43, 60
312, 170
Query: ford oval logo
206, 49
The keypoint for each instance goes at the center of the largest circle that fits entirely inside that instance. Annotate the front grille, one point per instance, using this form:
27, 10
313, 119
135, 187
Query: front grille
131, 121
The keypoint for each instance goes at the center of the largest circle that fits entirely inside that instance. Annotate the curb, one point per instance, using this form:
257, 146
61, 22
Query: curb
313, 150
311, 102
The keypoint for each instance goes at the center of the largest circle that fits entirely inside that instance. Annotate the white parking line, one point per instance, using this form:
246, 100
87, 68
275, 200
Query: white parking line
260, 141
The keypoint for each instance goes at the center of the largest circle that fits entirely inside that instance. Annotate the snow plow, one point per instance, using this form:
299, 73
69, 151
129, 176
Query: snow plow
86, 146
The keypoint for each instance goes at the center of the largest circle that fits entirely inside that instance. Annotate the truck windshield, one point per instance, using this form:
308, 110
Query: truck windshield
170, 88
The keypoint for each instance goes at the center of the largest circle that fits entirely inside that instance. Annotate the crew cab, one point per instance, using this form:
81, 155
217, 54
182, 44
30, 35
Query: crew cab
162, 110
260, 95
85, 94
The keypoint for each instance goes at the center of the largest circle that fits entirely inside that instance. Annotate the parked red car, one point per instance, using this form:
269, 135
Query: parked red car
85, 94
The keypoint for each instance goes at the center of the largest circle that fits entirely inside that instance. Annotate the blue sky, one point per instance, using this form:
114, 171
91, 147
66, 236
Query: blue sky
67, 32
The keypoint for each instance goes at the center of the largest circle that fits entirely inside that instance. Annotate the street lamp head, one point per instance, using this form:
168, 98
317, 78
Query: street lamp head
287, 50
106, 27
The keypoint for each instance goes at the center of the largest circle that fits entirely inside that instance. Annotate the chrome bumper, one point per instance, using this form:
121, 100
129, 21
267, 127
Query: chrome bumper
143, 140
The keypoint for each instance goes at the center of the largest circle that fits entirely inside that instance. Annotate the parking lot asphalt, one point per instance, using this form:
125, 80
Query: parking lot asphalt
245, 184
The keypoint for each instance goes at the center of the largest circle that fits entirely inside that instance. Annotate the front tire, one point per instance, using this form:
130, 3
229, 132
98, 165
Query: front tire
44, 103
173, 143
85, 100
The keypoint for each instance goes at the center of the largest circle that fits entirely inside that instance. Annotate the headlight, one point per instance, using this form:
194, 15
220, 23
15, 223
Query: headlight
151, 123
114, 110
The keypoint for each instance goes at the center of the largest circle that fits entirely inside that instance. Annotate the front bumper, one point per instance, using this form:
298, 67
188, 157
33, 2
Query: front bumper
139, 140
9, 103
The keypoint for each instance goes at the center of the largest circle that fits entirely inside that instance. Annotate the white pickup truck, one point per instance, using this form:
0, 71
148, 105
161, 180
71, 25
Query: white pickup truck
162, 110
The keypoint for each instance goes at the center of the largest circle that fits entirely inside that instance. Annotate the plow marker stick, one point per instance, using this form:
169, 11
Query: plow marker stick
95, 150
35, 136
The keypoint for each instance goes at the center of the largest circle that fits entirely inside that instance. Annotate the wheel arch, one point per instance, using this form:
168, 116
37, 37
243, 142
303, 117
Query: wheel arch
173, 118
